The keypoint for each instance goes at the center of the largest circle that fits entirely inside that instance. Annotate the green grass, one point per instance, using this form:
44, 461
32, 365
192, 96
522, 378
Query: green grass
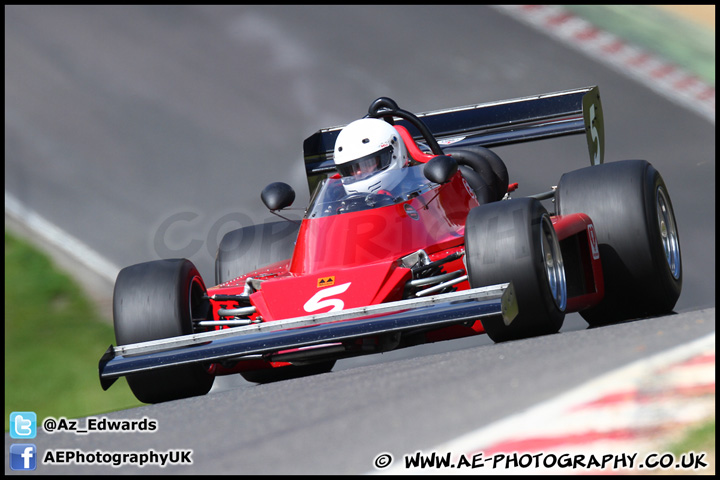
54, 338
700, 438
680, 41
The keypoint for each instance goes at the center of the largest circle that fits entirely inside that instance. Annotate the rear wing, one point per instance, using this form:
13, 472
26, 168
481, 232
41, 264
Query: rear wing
493, 124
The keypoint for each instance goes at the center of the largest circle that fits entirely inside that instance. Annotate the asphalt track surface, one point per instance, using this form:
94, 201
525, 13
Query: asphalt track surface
119, 120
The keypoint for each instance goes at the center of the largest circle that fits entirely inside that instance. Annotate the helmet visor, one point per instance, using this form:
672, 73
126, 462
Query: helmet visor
366, 166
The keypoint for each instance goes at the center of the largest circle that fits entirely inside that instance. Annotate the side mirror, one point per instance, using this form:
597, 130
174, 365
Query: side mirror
440, 169
277, 196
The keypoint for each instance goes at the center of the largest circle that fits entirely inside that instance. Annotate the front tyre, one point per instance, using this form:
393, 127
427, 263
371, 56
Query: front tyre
514, 241
637, 235
156, 300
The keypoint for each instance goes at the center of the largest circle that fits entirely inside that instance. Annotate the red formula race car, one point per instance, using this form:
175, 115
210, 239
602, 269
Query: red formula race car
410, 237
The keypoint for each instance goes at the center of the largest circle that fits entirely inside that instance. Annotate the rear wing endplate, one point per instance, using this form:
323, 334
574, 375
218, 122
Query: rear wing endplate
493, 124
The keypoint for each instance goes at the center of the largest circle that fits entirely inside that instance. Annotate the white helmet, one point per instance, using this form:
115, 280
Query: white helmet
364, 149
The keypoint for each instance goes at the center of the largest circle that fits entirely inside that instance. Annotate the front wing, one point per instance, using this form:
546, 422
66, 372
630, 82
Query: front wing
265, 338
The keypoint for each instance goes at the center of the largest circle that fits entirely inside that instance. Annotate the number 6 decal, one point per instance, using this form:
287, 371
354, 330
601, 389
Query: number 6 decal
320, 300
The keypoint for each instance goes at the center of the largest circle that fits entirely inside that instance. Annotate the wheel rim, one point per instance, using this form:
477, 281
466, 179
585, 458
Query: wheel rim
553, 263
668, 232
196, 301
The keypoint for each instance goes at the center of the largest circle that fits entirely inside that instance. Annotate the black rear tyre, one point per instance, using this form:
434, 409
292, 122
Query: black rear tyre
156, 300
514, 241
249, 248
637, 234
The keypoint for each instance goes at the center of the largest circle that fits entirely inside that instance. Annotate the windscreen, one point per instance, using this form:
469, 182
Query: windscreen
334, 197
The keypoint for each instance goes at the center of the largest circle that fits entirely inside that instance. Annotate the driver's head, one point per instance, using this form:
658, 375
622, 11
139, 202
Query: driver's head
364, 149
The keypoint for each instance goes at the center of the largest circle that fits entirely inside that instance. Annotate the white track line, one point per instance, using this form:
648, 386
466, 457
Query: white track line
57, 237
